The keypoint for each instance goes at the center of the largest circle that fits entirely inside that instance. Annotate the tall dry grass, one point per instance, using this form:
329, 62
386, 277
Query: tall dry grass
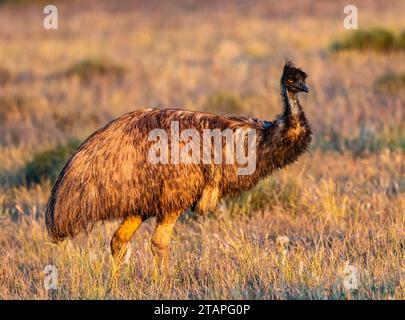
343, 211
289, 238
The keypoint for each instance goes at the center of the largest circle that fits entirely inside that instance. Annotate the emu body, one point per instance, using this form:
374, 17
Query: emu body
109, 177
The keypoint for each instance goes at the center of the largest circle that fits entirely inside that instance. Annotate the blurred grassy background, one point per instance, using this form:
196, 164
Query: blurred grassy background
342, 202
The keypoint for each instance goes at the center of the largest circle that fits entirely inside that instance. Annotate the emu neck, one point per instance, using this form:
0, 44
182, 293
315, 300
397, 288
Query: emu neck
288, 137
291, 105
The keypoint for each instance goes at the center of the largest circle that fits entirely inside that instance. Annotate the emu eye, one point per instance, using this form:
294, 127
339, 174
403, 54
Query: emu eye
290, 81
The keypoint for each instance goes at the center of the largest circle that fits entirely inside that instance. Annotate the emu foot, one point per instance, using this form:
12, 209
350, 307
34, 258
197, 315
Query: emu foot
161, 269
118, 260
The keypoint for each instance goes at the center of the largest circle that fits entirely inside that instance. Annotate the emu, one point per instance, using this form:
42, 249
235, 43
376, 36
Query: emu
109, 176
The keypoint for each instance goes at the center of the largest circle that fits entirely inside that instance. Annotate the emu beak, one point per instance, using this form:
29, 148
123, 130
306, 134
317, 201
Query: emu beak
303, 87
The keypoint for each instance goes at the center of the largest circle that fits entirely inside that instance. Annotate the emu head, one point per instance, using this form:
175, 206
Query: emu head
293, 79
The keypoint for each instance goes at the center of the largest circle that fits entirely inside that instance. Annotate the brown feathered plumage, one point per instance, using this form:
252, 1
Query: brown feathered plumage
109, 176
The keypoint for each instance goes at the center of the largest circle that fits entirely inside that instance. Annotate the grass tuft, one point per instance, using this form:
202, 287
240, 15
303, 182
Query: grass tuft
225, 103
47, 165
5, 76
264, 196
391, 83
378, 39
96, 67
365, 142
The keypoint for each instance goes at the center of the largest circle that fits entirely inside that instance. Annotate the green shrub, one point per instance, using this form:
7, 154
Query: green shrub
378, 39
224, 103
47, 165
394, 137
365, 141
92, 68
327, 141
390, 83
68, 120
368, 141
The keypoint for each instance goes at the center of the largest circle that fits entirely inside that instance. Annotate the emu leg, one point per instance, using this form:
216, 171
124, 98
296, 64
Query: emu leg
211, 193
160, 241
119, 245
122, 236
209, 200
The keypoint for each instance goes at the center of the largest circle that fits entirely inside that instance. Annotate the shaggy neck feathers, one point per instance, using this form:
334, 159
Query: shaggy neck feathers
288, 137
291, 105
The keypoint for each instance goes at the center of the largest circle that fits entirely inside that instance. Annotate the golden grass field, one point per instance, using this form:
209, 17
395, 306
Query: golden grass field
293, 236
